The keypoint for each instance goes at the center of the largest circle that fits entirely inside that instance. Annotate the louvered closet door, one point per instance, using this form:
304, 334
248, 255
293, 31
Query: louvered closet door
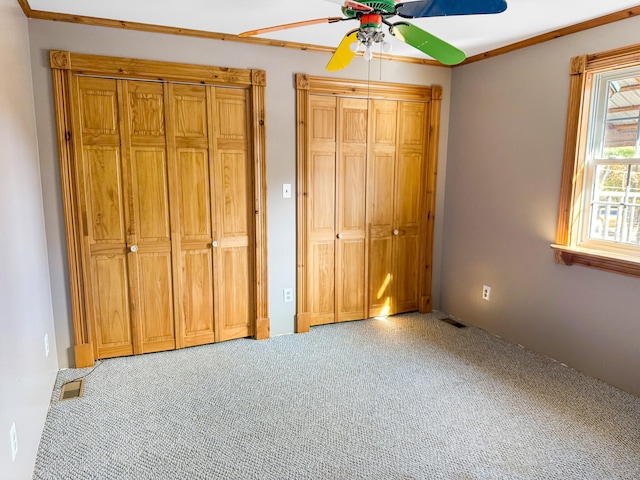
209, 133
122, 180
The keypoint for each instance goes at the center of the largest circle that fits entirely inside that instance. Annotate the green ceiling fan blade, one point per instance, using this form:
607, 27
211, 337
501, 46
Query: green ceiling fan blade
425, 42
343, 55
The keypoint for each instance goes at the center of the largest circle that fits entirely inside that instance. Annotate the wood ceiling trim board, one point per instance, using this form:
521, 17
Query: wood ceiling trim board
561, 32
145, 27
26, 8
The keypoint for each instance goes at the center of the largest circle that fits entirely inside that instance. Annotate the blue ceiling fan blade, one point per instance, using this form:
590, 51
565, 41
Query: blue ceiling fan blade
441, 8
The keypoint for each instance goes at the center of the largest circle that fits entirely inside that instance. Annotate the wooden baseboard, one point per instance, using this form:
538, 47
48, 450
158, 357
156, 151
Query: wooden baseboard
263, 328
303, 323
84, 355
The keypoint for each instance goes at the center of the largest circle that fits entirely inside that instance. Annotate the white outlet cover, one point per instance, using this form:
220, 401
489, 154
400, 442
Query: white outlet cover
288, 295
486, 293
286, 190
14, 442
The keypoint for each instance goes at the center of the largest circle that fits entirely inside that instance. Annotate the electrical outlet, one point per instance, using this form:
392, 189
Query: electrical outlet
288, 295
46, 344
13, 435
486, 293
286, 190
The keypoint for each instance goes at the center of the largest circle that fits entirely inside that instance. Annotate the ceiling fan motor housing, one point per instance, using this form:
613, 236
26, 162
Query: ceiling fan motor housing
383, 7
370, 29
371, 22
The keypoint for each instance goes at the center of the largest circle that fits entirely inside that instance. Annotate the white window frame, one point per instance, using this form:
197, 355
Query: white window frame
599, 100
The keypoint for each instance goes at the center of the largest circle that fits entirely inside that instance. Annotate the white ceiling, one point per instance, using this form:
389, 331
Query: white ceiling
474, 34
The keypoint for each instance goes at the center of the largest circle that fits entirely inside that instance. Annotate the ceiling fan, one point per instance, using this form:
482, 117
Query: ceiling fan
372, 14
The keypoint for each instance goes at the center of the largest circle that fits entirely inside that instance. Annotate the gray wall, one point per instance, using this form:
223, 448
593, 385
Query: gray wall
280, 65
503, 184
26, 374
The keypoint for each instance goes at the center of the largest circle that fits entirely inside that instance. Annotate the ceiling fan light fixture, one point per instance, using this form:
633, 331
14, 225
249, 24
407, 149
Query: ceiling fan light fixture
368, 54
386, 47
355, 46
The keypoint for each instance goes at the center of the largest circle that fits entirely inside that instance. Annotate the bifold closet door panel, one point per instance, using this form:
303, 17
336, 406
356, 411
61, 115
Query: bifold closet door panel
320, 183
150, 266
409, 203
233, 212
210, 132
350, 227
381, 194
188, 137
102, 195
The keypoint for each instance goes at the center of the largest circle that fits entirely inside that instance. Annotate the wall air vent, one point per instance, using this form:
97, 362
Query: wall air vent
451, 321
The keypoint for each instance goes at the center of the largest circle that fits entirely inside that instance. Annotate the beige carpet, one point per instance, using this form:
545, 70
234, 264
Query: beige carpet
409, 397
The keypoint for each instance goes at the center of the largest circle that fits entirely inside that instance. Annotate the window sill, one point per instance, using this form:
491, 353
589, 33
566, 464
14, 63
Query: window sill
610, 262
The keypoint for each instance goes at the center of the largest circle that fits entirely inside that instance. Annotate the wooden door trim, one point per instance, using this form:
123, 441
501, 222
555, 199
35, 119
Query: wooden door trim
362, 89
425, 303
307, 85
64, 66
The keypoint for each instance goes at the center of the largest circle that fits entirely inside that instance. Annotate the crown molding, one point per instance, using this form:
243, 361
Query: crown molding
146, 27
26, 8
561, 32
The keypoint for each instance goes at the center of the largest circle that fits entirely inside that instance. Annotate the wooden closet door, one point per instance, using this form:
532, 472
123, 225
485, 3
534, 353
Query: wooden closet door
212, 174
413, 119
350, 272
101, 181
320, 180
193, 225
381, 194
149, 230
233, 212
396, 172
122, 176
367, 157
336, 223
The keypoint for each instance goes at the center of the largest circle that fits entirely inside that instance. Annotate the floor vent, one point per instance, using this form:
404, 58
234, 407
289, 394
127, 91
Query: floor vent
451, 321
72, 390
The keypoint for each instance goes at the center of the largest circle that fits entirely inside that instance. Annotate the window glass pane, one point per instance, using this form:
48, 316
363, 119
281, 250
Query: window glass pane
633, 206
610, 182
615, 206
609, 191
621, 126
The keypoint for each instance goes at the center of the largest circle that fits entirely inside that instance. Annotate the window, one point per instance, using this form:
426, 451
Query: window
612, 180
599, 217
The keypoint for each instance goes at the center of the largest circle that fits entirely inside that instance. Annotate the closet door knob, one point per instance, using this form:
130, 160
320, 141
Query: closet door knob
396, 232
133, 248
339, 235
214, 243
